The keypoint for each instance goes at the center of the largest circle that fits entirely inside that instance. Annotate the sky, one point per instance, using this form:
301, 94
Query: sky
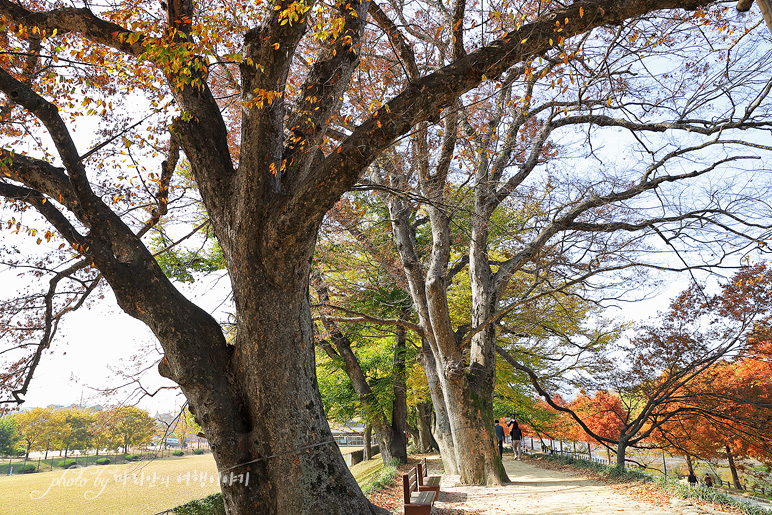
96, 341
92, 344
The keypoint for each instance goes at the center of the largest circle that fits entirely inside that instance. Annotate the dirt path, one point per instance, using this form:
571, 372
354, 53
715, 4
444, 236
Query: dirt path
535, 491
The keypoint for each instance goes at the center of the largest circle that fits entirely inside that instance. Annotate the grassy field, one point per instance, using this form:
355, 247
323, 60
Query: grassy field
141, 488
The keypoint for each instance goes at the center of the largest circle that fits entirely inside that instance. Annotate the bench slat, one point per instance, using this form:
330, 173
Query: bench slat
421, 503
432, 481
427, 482
427, 497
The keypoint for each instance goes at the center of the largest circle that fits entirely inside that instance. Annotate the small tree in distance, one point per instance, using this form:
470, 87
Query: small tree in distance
36, 427
655, 377
71, 429
9, 436
133, 426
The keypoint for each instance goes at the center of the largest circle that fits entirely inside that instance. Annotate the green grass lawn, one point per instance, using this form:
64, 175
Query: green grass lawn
366, 472
141, 488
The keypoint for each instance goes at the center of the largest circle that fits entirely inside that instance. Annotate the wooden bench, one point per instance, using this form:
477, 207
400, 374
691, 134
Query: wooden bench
422, 503
426, 482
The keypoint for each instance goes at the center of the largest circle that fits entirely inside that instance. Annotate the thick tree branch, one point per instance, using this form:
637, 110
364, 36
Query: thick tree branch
323, 90
424, 99
39, 175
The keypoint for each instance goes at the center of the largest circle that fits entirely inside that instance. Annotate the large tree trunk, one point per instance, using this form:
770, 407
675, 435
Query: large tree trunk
621, 449
474, 442
292, 469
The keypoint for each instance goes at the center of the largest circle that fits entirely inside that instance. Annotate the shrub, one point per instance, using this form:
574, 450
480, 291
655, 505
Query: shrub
24, 469
198, 451
103, 461
212, 505
709, 494
178, 453
132, 457
67, 464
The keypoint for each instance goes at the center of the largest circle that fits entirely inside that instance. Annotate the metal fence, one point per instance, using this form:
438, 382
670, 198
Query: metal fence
557, 447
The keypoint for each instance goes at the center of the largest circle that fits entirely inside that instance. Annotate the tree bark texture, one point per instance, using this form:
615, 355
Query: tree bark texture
621, 449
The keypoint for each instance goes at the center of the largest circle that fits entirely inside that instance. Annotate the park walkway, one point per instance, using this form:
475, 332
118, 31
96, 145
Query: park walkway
534, 490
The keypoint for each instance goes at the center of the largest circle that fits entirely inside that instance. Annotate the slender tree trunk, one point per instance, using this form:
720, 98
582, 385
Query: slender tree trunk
391, 437
399, 406
441, 430
733, 468
689, 464
367, 452
621, 448
413, 433
424, 415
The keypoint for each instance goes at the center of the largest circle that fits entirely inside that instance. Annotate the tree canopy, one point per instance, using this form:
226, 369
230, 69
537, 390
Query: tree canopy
278, 108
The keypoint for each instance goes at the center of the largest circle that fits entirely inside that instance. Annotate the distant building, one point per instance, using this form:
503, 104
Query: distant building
348, 435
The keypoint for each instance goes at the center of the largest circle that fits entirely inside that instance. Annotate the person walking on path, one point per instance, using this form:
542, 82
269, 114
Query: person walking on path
517, 436
499, 436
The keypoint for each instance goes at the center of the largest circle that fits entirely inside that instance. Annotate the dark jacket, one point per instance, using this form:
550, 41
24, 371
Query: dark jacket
516, 433
499, 431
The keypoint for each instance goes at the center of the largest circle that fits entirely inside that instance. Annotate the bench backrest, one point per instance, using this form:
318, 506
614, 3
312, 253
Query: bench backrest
410, 483
421, 471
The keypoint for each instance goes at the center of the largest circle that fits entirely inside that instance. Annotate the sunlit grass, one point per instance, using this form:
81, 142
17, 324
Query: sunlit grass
140, 488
